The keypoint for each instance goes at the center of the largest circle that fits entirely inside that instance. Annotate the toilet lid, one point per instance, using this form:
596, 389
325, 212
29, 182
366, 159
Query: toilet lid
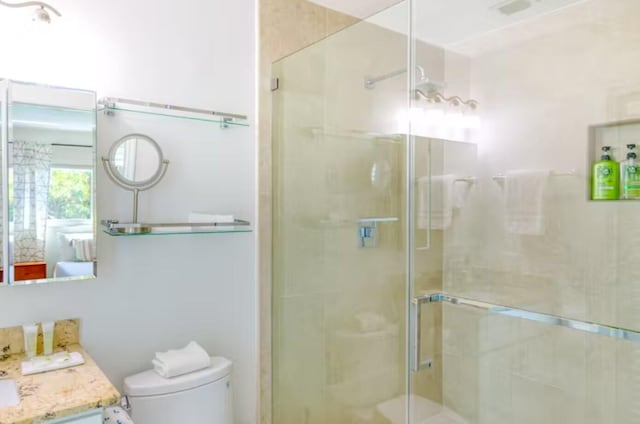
149, 383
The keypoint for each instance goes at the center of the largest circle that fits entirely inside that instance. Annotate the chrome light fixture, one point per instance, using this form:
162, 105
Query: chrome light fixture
41, 14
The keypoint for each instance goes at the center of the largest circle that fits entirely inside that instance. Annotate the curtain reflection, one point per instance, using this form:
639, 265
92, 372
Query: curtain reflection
31, 172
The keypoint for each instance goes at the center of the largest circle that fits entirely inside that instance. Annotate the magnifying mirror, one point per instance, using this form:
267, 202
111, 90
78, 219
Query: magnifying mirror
135, 163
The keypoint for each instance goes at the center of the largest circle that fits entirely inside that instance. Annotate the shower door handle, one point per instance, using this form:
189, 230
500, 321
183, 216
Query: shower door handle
417, 363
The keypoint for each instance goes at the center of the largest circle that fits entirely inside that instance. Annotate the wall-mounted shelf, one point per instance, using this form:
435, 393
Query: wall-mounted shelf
116, 229
111, 105
361, 135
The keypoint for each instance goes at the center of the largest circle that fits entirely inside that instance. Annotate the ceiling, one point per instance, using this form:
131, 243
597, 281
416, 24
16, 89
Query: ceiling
359, 8
448, 23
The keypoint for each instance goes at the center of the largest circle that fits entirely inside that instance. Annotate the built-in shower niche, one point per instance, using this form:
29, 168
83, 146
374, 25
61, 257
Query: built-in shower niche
618, 135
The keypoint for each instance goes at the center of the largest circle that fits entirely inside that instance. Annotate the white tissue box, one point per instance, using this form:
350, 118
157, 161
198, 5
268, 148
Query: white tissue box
210, 218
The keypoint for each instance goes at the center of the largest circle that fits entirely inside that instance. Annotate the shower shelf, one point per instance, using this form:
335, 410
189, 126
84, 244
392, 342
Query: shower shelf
393, 138
113, 228
112, 105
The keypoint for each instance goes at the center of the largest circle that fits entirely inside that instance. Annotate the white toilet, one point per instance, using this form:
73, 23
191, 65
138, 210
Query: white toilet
200, 397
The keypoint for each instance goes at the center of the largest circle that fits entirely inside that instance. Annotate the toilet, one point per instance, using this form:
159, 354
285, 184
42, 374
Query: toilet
200, 397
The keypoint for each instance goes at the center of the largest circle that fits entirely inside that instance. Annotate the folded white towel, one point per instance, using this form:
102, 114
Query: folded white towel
435, 198
181, 361
210, 217
83, 249
524, 195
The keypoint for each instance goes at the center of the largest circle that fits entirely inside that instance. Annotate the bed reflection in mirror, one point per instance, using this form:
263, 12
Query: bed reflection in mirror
51, 158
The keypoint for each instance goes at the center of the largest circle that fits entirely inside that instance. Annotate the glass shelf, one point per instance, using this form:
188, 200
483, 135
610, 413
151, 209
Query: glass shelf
111, 105
220, 121
115, 229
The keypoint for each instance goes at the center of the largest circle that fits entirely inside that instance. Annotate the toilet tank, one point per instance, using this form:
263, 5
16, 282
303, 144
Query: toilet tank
200, 397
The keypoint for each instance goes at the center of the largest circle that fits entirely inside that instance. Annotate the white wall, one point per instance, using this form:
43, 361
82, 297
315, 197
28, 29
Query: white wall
155, 293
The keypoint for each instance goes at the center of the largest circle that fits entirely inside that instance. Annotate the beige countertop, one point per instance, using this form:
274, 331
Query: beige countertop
59, 393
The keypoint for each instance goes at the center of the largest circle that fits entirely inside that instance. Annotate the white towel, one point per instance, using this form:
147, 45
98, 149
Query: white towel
83, 249
441, 205
210, 217
524, 196
181, 361
461, 191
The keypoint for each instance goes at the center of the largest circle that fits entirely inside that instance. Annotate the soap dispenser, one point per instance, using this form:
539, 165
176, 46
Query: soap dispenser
605, 177
630, 175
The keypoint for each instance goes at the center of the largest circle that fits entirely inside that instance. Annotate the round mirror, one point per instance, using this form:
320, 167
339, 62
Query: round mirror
136, 160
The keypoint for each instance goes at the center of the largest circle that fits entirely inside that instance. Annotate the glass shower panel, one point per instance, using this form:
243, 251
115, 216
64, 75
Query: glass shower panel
553, 83
339, 281
4, 137
501, 369
538, 88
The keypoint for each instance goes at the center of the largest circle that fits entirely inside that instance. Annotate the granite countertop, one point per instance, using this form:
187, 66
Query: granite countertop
59, 393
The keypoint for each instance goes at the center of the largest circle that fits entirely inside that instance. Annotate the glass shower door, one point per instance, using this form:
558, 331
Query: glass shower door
339, 245
526, 302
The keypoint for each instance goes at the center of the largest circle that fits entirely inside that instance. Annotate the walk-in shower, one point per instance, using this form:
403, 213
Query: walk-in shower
437, 254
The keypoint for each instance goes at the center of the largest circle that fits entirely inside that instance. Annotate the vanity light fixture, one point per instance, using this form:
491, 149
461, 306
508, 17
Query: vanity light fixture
41, 14
460, 113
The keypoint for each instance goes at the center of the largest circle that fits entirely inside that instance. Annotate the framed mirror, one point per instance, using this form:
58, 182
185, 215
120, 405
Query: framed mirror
48, 219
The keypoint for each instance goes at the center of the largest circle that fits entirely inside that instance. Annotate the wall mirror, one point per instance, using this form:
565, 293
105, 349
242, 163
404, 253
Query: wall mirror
48, 183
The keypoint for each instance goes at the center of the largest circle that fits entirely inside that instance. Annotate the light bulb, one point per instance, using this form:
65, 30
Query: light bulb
454, 119
434, 117
471, 121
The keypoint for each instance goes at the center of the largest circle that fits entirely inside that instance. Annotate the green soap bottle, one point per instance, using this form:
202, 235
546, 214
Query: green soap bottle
630, 175
605, 177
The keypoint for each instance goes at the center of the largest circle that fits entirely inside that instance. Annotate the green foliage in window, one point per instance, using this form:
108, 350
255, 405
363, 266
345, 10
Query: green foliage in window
70, 193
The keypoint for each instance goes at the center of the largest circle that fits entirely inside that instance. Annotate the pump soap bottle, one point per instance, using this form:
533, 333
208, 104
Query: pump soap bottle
605, 177
630, 175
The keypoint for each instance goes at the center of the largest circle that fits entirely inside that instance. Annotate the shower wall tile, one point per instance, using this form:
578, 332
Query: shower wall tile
460, 390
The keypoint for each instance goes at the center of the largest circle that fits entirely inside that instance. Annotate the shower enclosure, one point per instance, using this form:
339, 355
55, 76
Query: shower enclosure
437, 256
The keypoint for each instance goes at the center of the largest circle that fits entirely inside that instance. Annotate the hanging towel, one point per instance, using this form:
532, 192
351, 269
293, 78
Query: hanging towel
461, 190
524, 195
441, 207
181, 361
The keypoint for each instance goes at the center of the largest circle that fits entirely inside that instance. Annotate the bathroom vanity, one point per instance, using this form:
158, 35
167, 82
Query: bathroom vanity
71, 395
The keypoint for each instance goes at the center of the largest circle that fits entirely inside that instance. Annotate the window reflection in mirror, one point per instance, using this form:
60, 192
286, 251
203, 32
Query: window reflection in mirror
4, 88
51, 164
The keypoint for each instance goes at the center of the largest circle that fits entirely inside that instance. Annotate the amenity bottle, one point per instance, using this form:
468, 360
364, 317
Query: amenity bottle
630, 175
605, 177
